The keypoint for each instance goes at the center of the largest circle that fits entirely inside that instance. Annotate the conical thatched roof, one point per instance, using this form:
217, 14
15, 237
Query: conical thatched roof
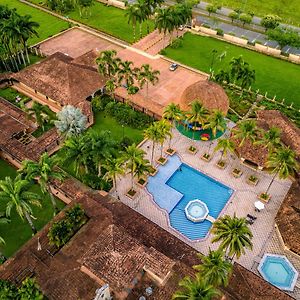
210, 94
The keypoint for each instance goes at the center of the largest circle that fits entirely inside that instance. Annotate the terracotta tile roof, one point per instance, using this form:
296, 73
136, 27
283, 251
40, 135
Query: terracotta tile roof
88, 59
210, 94
117, 259
62, 79
290, 132
288, 218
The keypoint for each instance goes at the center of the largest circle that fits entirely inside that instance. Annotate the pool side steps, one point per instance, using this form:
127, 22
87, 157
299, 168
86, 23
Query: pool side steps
210, 219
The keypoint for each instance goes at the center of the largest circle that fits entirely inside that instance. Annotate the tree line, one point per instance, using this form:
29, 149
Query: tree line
16, 30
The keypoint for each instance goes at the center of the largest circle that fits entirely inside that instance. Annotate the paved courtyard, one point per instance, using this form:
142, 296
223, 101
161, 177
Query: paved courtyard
241, 203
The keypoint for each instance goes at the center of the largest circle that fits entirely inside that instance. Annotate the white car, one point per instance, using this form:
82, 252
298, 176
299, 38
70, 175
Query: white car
173, 67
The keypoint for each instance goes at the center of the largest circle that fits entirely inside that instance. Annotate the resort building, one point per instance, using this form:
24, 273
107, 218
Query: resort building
60, 80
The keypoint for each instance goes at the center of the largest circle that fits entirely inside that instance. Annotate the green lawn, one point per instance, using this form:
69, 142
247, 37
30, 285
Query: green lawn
17, 232
49, 25
275, 76
289, 10
10, 95
108, 19
105, 122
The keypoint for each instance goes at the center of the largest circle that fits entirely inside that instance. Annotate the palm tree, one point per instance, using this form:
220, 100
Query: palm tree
133, 157
153, 133
45, 170
216, 122
132, 12
197, 289
165, 131
108, 63
102, 147
126, 73
41, 113
16, 195
234, 235
237, 64
282, 162
143, 168
147, 75
164, 21
27, 29
214, 268
197, 115
270, 139
76, 152
226, 145
144, 11
110, 86
247, 77
245, 130
113, 168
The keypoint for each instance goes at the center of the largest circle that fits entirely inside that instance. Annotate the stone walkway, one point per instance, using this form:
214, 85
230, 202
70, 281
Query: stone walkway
242, 202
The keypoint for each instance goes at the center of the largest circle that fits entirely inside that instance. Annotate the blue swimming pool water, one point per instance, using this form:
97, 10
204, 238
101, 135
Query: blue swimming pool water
188, 184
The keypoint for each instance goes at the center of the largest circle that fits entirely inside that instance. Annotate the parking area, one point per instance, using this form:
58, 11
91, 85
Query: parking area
75, 42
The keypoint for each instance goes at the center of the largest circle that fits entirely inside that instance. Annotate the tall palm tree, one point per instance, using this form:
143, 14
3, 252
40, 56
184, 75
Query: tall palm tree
270, 139
147, 75
153, 133
102, 147
126, 74
247, 77
143, 168
216, 122
164, 21
282, 162
226, 145
234, 235
132, 12
195, 289
76, 151
41, 113
133, 156
108, 63
144, 11
214, 268
113, 168
16, 195
165, 131
236, 64
197, 115
45, 170
245, 130
27, 29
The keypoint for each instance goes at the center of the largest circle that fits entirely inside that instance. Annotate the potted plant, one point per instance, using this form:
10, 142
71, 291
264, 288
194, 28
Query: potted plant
252, 180
221, 164
206, 157
152, 171
192, 149
162, 160
236, 172
142, 182
131, 193
264, 197
170, 151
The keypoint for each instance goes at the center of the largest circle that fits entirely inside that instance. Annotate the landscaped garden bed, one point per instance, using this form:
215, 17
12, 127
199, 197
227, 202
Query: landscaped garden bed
152, 171
14, 96
252, 180
62, 231
142, 182
236, 172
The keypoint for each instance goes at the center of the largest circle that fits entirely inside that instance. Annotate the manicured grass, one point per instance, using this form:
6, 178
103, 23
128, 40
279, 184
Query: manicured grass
49, 25
18, 232
106, 122
109, 19
10, 95
288, 10
275, 76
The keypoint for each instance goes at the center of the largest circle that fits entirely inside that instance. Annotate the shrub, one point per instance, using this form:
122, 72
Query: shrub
125, 142
7, 290
211, 9
75, 215
245, 19
233, 16
270, 21
96, 182
176, 43
220, 31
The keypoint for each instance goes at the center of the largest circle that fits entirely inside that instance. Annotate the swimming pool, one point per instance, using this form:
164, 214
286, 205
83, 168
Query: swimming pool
176, 184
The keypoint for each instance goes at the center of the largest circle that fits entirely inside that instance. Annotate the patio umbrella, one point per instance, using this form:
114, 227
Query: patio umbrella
259, 205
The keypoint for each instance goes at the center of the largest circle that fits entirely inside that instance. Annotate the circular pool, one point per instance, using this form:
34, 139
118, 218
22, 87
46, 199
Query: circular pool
279, 271
196, 211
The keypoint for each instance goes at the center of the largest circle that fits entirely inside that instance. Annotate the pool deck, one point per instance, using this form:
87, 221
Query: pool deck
241, 202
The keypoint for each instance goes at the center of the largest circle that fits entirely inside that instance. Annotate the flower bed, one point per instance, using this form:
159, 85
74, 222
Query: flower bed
221, 164
152, 171
131, 193
264, 197
162, 161
252, 180
206, 157
192, 150
170, 151
237, 172
142, 182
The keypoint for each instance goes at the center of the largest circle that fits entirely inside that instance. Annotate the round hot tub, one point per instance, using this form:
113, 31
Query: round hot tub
196, 211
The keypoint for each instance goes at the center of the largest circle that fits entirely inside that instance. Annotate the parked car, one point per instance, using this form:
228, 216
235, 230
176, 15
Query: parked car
173, 67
